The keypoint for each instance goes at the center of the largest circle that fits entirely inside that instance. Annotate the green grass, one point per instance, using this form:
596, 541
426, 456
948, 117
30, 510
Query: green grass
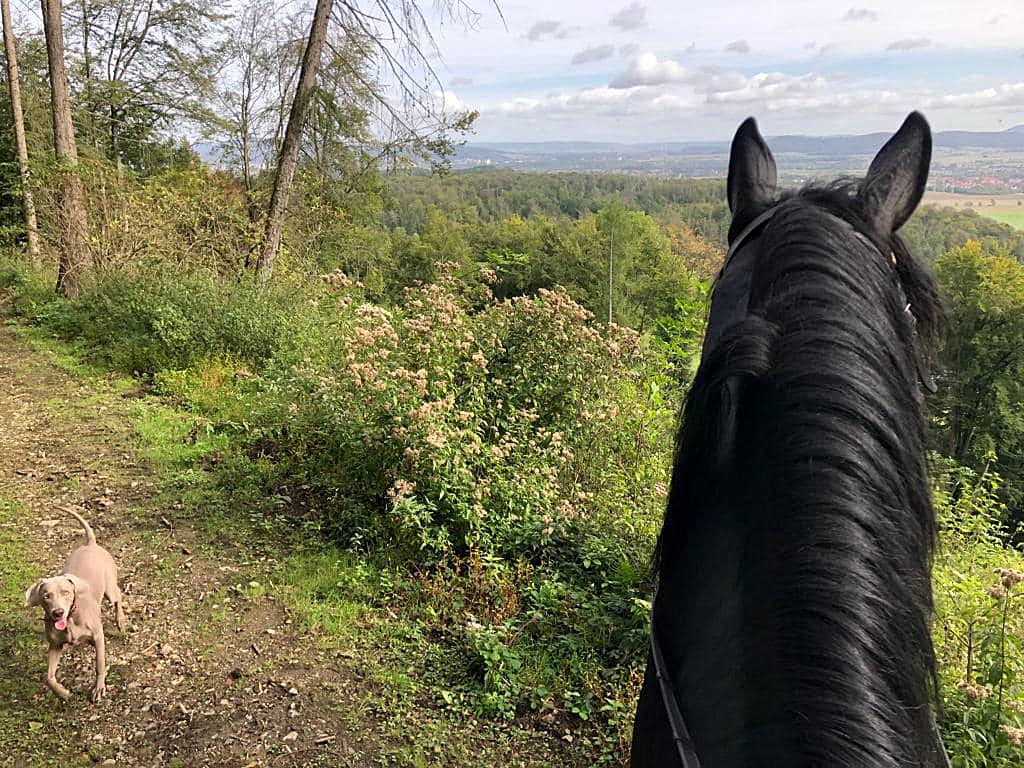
65, 355
1013, 218
171, 440
328, 590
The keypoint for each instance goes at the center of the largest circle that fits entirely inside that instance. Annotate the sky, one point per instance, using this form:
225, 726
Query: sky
635, 71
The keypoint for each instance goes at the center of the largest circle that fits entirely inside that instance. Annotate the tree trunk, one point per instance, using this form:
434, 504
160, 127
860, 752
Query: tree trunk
289, 156
73, 259
31, 230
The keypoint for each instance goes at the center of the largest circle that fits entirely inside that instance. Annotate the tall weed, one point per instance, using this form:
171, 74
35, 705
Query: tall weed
979, 628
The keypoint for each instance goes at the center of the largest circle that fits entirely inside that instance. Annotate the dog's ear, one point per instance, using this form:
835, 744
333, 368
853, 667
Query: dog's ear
33, 595
81, 585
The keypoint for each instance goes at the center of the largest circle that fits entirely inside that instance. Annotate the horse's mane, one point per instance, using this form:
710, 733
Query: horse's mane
807, 416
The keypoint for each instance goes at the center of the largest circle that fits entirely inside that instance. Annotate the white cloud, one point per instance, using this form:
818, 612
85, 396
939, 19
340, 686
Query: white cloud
1005, 95
860, 14
646, 69
633, 16
596, 53
908, 44
448, 103
771, 88
600, 102
686, 93
716, 82
546, 28
665, 88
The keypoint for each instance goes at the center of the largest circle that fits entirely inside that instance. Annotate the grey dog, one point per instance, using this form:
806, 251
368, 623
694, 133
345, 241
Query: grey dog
71, 604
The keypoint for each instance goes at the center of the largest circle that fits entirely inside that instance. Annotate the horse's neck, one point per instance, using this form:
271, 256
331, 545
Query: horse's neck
770, 662
701, 617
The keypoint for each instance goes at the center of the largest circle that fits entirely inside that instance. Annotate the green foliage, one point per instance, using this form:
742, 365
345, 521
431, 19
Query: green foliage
159, 319
680, 335
979, 630
496, 195
512, 452
932, 231
25, 290
438, 407
135, 68
980, 408
500, 666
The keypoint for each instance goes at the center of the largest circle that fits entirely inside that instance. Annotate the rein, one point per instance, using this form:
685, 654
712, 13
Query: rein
680, 734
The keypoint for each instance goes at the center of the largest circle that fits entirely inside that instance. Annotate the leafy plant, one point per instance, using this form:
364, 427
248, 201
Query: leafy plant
979, 631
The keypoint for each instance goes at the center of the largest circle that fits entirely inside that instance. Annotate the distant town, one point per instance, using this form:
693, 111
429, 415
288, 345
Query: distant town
964, 162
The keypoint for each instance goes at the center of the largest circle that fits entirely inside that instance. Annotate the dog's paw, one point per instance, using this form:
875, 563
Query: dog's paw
59, 690
98, 692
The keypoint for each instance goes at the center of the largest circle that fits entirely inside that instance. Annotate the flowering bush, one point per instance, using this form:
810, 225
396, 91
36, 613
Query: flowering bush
458, 423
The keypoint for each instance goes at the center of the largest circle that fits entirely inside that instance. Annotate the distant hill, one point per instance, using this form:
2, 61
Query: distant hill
706, 157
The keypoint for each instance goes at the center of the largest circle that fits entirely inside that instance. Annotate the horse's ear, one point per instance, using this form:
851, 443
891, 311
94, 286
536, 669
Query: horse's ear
752, 177
897, 176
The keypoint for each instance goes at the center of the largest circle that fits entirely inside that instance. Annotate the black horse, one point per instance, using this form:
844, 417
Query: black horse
791, 620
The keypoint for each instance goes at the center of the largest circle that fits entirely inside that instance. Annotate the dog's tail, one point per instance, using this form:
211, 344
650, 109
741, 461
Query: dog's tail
90, 537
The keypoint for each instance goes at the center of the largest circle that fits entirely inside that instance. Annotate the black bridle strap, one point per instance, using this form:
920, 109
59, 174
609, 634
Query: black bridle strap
732, 288
747, 232
680, 734
925, 377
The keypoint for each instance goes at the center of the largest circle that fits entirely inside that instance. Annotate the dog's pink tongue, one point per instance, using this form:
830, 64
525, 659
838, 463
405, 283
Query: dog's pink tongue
61, 624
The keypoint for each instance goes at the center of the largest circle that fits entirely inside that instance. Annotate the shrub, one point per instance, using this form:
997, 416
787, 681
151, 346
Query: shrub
156, 319
24, 289
515, 428
514, 453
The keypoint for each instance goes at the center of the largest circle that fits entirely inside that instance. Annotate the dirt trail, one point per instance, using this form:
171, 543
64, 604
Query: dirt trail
209, 673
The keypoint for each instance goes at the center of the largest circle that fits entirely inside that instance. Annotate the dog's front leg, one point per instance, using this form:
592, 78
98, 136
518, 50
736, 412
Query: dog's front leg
52, 658
101, 666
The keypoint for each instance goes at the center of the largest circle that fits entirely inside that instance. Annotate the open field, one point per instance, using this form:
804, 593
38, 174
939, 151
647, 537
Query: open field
1013, 218
1008, 209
